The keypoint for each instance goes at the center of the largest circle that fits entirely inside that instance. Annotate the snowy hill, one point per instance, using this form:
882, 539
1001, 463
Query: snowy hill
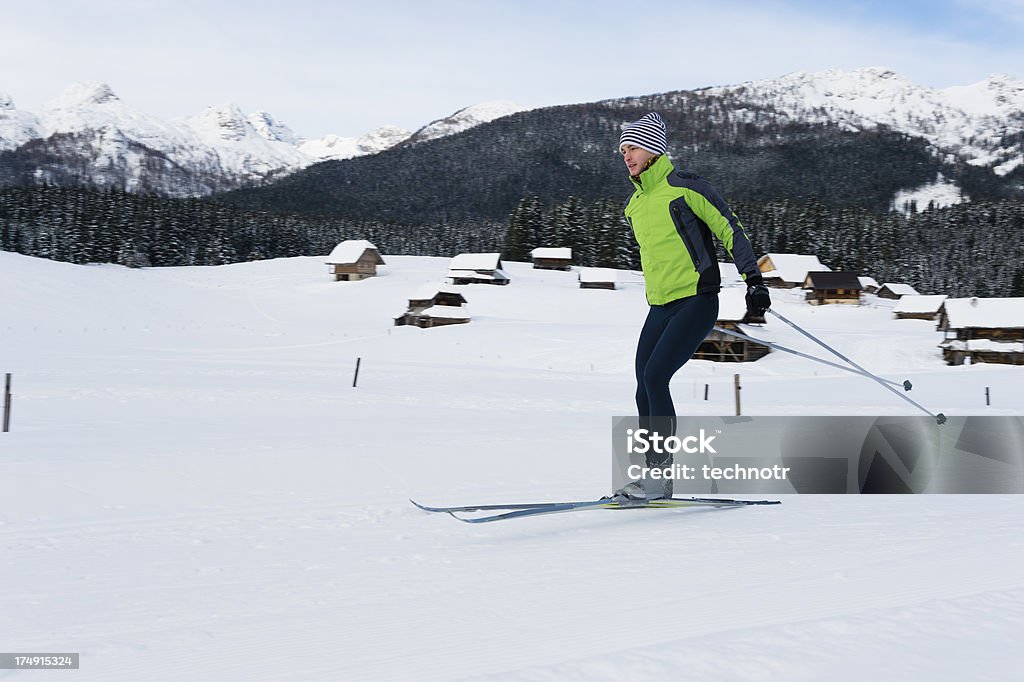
190, 472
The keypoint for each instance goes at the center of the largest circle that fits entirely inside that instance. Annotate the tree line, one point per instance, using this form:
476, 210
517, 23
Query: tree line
971, 249
80, 225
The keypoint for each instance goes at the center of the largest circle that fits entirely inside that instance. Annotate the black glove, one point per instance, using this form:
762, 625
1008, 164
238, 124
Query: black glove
758, 298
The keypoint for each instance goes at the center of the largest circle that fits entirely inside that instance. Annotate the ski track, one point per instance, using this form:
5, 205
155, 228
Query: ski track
337, 566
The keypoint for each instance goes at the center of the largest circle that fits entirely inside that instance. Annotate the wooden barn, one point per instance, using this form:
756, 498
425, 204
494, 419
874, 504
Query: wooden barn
788, 270
434, 306
477, 268
894, 291
827, 288
552, 258
353, 260
983, 330
919, 307
598, 278
719, 347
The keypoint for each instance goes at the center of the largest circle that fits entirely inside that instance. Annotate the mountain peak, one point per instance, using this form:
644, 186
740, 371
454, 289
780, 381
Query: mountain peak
269, 128
89, 93
335, 147
883, 72
1005, 79
465, 118
225, 122
6, 102
870, 77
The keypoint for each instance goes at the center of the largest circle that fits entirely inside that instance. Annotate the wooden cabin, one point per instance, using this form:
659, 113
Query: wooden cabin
353, 260
982, 330
441, 315
919, 307
894, 291
719, 347
828, 288
477, 268
598, 278
433, 306
552, 258
788, 270
433, 295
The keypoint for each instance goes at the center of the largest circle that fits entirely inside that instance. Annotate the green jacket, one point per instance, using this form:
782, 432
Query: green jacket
673, 215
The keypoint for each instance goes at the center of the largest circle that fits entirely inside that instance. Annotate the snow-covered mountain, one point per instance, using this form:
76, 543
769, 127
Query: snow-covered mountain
970, 123
88, 134
336, 147
16, 127
464, 119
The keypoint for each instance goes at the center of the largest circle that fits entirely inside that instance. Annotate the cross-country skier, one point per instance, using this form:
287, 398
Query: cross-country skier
673, 214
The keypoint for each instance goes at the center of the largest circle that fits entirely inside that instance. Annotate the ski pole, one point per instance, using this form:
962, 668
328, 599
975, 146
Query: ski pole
940, 418
906, 385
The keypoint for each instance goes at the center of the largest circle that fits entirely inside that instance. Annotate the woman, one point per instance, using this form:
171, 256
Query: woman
674, 215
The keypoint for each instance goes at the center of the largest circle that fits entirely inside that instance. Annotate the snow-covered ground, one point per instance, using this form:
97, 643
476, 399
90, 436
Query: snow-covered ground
940, 193
193, 490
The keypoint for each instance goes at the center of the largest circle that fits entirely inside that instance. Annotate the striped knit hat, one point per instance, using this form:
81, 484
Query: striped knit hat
647, 133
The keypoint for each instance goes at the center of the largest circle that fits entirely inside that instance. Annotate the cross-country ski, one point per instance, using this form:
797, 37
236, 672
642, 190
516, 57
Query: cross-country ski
512, 511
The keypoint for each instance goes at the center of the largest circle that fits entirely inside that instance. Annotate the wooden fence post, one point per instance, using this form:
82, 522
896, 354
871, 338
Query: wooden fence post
736, 382
7, 403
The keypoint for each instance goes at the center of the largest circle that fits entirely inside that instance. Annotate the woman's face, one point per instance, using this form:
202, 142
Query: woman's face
636, 158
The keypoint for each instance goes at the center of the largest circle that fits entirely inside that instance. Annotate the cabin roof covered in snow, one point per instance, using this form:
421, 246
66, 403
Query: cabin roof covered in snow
350, 251
559, 252
900, 289
919, 304
985, 313
428, 291
793, 267
598, 275
476, 261
469, 274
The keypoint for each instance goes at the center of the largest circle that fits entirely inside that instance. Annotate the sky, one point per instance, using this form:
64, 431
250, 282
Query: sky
346, 68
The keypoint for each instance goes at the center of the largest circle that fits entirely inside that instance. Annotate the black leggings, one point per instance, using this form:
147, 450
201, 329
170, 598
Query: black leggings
671, 334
